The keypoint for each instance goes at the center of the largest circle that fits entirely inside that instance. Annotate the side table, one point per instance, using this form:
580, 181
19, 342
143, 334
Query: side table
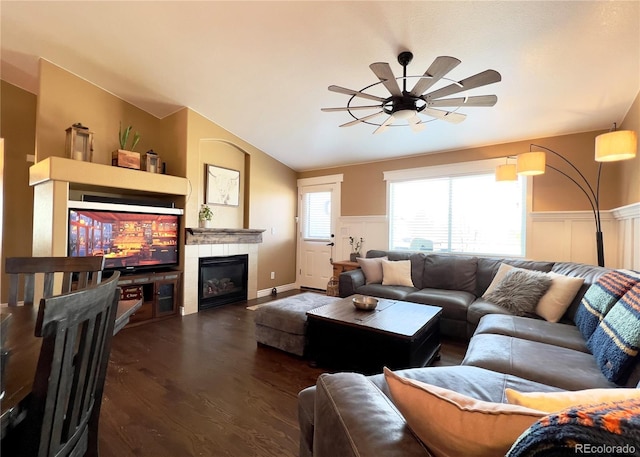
343, 265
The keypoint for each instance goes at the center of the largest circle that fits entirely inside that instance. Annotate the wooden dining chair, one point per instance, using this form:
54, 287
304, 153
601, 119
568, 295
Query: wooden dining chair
77, 328
81, 271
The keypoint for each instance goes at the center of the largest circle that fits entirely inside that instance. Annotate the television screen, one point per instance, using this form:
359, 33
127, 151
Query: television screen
128, 240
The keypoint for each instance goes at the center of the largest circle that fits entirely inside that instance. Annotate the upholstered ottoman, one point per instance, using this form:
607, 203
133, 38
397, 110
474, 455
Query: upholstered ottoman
282, 323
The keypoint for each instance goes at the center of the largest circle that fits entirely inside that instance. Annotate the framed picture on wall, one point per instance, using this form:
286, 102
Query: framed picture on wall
223, 186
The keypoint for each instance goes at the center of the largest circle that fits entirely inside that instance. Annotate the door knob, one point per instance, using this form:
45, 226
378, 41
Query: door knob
331, 244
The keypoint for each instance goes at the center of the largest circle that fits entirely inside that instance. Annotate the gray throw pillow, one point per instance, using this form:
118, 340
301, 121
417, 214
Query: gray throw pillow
520, 291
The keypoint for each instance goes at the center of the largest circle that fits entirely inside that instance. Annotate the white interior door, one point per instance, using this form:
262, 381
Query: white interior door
317, 220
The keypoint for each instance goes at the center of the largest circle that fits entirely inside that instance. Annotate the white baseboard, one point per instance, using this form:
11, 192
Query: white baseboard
282, 288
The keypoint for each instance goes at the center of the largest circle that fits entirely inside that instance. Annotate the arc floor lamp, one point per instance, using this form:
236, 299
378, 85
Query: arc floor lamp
612, 146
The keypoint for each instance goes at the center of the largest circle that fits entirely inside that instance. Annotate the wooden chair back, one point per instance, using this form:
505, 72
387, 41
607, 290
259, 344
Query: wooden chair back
77, 328
84, 271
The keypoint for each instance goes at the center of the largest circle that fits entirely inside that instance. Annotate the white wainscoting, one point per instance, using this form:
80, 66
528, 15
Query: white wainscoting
570, 236
552, 235
373, 229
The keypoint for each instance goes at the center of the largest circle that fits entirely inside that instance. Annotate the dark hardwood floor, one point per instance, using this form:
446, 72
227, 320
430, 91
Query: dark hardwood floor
199, 385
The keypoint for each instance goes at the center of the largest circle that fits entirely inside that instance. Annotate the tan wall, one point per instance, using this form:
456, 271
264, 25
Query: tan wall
183, 141
17, 127
629, 183
65, 99
551, 191
269, 189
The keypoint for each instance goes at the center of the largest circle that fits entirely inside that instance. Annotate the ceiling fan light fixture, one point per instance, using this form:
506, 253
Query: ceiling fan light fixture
404, 114
616, 145
404, 104
531, 163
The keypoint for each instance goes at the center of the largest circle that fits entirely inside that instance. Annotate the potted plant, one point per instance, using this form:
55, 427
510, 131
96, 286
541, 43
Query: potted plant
205, 216
124, 157
356, 245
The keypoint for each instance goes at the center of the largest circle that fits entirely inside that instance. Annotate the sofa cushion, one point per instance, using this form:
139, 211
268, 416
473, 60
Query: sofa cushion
396, 273
479, 308
451, 272
452, 424
601, 297
536, 361
475, 382
372, 269
393, 293
454, 303
563, 335
552, 402
519, 291
616, 341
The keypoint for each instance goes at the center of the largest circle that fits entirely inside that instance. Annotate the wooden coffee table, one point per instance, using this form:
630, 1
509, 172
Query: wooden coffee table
396, 334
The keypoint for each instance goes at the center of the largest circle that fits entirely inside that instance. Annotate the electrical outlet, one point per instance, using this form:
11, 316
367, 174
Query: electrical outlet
273, 275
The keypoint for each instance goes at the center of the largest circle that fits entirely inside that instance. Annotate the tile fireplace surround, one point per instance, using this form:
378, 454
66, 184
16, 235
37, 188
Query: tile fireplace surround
218, 242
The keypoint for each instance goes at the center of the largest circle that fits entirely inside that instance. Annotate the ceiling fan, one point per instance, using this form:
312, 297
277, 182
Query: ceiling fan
403, 105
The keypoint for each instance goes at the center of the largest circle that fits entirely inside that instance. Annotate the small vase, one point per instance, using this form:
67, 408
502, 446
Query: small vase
354, 256
205, 224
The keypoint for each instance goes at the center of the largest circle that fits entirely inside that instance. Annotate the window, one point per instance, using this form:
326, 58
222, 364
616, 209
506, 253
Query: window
456, 209
317, 211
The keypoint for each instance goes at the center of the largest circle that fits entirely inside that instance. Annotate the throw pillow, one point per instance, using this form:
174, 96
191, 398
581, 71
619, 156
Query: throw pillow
503, 269
372, 269
616, 341
604, 429
453, 425
555, 401
600, 298
519, 291
396, 273
558, 298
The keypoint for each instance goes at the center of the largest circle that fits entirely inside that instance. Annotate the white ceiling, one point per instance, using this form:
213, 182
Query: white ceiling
261, 69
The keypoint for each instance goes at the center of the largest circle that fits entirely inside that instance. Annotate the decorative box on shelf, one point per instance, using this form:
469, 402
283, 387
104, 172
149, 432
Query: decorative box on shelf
125, 159
151, 162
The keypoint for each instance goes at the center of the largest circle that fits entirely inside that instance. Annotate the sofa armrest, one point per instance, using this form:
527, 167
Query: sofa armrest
354, 418
349, 281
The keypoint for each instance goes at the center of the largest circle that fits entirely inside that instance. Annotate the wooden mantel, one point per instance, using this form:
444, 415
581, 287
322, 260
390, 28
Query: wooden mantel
223, 236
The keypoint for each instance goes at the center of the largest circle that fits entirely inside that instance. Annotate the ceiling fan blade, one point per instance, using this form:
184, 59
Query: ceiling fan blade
479, 100
481, 79
440, 67
448, 116
342, 90
349, 108
383, 71
384, 125
416, 124
362, 119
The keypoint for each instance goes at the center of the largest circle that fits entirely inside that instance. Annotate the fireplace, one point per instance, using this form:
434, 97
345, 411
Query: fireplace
222, 280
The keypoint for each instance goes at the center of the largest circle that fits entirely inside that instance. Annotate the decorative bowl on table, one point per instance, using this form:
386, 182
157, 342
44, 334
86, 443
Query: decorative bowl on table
365, 302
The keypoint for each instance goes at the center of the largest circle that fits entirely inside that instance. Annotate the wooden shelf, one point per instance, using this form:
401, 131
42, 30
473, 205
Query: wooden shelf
95, 175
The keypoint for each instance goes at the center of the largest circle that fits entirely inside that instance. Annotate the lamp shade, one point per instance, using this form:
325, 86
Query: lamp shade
531, 163
616, 145
506, 172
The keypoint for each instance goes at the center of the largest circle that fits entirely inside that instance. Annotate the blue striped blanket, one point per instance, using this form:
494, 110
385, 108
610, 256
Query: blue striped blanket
616, 341
601, 297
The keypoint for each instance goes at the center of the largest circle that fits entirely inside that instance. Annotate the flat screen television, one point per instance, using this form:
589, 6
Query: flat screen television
130, 237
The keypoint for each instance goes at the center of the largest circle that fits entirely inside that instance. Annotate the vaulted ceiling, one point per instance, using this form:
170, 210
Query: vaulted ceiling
261, 69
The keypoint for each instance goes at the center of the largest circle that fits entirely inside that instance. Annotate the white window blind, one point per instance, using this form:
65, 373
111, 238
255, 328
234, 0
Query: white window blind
317, 207
470, 213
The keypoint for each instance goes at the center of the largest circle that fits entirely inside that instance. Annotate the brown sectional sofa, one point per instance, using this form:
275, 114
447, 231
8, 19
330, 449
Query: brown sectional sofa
348, 414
